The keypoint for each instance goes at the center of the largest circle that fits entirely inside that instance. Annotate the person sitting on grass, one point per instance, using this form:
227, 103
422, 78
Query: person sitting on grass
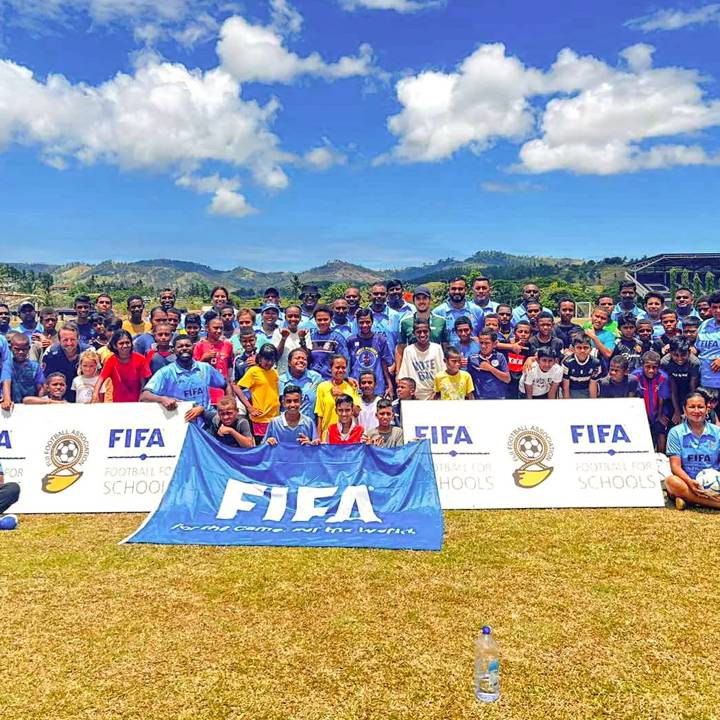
291, 427
227, 426
692, 446
9, 495
453, 383
346, 431
385, 434
54, 391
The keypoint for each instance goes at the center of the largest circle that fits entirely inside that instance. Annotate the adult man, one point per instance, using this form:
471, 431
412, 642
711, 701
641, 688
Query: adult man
457, 306
86, 330
28, 322
340, 320
684, 303
626, 306
309, 296
352, 296
64, 356
4, 319
104, 306
530, 293
167, 298
482, 291
184, 380
437, 324
708, 346
385, 319
396, 299
135, 324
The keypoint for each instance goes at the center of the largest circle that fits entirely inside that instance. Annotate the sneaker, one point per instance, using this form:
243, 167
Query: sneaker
8, 522
680, 504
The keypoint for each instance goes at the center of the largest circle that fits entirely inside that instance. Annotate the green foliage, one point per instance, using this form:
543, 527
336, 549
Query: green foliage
709, 283
698, 288
334, 291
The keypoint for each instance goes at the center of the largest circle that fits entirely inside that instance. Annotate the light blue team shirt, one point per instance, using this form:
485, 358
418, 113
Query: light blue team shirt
635, 311
387, 322
347, 329
708, 347
695, 453
308, 382
520, 313
450, 314
192, 385
286, 435
404, 309
491, 307
5, 359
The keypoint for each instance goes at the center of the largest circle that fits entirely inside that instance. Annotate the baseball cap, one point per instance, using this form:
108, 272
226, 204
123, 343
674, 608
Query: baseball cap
422, 290
269, 306
27, 305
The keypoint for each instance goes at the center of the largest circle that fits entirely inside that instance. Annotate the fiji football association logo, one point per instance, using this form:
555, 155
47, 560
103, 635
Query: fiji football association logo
64, 452
531, 446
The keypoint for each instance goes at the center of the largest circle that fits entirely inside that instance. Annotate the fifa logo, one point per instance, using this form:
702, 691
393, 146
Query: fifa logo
532, 447
64, 451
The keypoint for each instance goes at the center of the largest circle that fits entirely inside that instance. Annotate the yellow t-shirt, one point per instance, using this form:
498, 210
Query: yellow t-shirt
263, 387
453, 387
325, 403
139, 329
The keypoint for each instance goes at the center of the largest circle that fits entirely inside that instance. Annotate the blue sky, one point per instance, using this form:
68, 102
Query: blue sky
385, 132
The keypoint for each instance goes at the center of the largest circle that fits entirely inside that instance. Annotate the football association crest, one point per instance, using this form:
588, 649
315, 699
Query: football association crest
63, 452
531, 446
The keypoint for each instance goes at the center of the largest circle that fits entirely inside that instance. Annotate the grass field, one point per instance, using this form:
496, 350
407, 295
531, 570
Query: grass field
600, 614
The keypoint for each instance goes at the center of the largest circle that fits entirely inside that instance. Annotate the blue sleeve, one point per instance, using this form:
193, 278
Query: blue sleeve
385, 353
312, 434
664, 388
674, 442
270, 432
157, 384
342, 347
5, 367
215, 378
502, 363
40, 376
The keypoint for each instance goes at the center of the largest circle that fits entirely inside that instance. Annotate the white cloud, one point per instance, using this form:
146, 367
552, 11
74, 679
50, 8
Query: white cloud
501, 187
256, 53
226, 201
593, 118
285, 18
323, 158
401, 6
673, 19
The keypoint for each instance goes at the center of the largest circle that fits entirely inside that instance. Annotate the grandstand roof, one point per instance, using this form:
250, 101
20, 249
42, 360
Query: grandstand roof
679, 259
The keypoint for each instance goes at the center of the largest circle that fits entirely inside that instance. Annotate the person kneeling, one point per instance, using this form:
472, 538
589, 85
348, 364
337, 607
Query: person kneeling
693, 446
346, 430
227, 426
291, 427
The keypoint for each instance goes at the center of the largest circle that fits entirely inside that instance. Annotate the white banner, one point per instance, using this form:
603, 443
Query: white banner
91, 458
538, 453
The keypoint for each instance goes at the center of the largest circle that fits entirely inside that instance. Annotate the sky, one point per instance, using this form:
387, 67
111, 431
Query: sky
279, 135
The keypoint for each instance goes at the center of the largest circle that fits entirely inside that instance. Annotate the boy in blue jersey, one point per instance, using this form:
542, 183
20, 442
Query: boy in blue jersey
467, 344
708, 346
325, 342
655, 386
291, 427
28, 379
690, 328
488, 369
369, 351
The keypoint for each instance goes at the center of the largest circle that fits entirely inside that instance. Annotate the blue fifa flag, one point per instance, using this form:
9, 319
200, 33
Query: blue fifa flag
311, 496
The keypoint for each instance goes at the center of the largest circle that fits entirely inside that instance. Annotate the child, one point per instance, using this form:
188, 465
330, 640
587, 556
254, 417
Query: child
173, 319
368, 400
467, 344
385, 434
49, 335
669, 321
655, 388
580, 370
369, 352
545, 338
489, 369
690, 328
405, 391
566, 328
704, 308
683, 369
646, 339
618, 384
711, 398
627, 345
291, 427
27, 377
654, 303
504, 313
161, 353
262, 382
291, 337
246, 358
533, 309
516, 353
346, 430
216, 351
227, 426
603, 341
99, 324
325, 343
492, 322
192, 327
268, 330
453, 383
422, 361
328, 390
542, 380
88, 374
54, 391
227, 315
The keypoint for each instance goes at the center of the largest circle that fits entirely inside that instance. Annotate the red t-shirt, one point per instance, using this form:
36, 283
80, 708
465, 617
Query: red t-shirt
221, 362
127, 378
355, 435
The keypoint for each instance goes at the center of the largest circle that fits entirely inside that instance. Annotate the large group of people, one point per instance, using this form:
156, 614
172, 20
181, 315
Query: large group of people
337, 373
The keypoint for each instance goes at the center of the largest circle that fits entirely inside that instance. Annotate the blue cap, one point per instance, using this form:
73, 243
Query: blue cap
269, 306
486, 630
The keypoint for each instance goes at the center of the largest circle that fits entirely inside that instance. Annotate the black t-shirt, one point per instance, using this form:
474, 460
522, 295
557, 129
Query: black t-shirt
682, 375
566, 332
580, 374
630, 349
629, 387
555, 344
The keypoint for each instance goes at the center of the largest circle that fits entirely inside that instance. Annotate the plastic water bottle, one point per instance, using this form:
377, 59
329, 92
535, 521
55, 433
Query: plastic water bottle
487, 667
8, 522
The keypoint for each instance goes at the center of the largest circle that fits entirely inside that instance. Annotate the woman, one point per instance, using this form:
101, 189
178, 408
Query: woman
128, 370
692, 446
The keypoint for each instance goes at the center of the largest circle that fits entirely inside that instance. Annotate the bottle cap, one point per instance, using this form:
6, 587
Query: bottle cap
486, 630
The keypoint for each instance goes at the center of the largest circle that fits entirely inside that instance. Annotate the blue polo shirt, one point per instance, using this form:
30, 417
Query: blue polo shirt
450, 314
491, 307
520, 313
695, 453
635, 311
387, 322
487, 386
192, 384
708, 347
286, 435
308, 383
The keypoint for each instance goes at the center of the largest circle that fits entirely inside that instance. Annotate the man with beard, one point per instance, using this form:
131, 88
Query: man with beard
627, 306
28, 320
352, 296
438, 326
457, 306
530, 293
64, 356
340, 320
184, 380
4, 319
309, 297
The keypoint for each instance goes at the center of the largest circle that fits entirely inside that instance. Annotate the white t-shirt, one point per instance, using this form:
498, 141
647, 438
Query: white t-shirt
367, 417
84, 387
422, 367
541, 381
